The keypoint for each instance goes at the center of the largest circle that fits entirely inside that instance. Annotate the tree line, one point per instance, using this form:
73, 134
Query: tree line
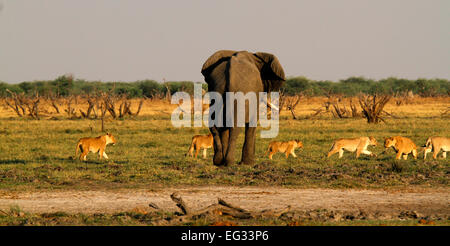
66, 85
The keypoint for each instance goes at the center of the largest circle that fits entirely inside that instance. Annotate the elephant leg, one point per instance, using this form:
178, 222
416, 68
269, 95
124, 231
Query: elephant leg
224, 138
234, 133
218, 147
248, 151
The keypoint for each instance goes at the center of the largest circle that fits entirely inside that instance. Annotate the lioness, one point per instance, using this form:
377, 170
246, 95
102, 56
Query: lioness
436, 144
403, 146
94, 145
353, 144
198, 142
283, 147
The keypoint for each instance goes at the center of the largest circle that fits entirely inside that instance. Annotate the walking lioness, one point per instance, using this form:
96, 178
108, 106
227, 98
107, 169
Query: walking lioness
94, 145
436, 144
200, 142
284, 147
353, 144
403, 146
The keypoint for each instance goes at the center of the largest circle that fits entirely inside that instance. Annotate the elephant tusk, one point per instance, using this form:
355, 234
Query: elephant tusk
272, 106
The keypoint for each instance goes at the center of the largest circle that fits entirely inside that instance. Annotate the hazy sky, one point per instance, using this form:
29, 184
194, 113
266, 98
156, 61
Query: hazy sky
112, 40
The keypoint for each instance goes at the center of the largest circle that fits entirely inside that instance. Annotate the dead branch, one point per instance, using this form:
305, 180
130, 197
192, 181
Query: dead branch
372, 107
327, 105
17, 104
14, 107
102, 109
226, 204
154, 206
109, 103
404, 97
281, 101
156, 95
354, 110
391, 115
91, 108
180, 203
69, 109
53, 100
273, 213
21, 103
139, 107
33, 107
446, 112
168, 95
316, 113
339, 112
222, 208
291, 103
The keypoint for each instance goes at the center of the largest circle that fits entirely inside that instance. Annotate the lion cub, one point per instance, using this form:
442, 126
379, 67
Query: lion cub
94, 145
353, 144
284, 147
403, 146
200, 142
436, 144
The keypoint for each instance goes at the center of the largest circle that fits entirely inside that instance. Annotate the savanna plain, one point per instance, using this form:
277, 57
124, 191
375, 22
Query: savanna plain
43, 183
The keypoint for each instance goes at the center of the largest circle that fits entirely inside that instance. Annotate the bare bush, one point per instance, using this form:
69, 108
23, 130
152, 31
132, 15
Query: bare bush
109, 102
33, 106
354, 110
317, 112
54, 102
70, 110
16, 103
168, 94
446, 112
372, 107
23, 105
292, 102
403, 98
339, 110
289, 102
92, 101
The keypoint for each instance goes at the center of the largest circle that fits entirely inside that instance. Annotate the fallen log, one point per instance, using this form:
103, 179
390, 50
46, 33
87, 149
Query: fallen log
180, 203
226, 204
221, 208
153, 205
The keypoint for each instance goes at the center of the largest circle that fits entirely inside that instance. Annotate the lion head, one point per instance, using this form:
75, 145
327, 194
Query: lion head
373, 141
389, 142
110, 139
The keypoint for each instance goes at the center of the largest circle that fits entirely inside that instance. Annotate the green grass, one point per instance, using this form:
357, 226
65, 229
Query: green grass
150, 151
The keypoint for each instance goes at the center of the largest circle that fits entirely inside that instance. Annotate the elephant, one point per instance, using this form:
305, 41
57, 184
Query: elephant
239, 71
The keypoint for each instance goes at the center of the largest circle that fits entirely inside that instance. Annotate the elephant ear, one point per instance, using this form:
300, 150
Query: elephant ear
215, 60
272, 73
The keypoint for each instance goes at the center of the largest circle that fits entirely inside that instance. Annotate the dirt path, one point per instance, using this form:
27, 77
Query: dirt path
426, 202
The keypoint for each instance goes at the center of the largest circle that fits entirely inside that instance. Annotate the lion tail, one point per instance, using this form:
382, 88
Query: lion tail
191, 148
78, 147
